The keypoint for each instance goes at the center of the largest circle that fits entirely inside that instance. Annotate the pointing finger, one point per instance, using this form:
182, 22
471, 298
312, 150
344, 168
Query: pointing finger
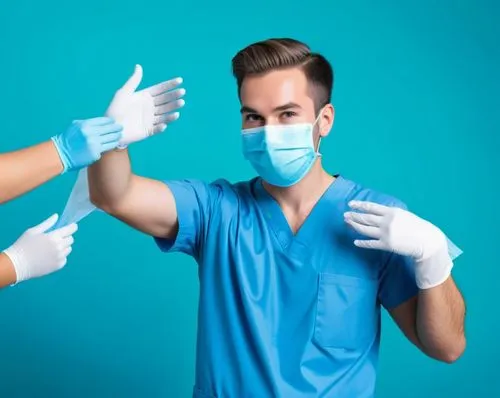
97, 121
369, 207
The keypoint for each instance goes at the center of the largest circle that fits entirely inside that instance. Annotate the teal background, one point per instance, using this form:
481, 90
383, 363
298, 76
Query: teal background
416, 96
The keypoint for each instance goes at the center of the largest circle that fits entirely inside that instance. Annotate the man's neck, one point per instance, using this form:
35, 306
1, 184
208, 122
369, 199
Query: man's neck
303, 195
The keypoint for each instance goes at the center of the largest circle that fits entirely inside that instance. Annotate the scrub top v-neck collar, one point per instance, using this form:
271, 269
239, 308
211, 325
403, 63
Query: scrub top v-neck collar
311, 227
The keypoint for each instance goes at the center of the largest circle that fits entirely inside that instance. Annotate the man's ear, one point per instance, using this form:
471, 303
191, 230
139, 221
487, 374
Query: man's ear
326, 119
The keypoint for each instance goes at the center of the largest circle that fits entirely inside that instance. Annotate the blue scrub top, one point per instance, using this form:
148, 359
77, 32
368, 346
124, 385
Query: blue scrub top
284, 315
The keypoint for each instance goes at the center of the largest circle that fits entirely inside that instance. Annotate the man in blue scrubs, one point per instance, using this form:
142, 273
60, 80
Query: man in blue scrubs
295, 264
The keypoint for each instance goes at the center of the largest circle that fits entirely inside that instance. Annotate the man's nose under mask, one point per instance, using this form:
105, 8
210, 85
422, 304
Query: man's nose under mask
281, 154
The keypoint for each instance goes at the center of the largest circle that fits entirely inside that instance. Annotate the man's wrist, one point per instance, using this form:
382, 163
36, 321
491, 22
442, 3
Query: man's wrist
433, 270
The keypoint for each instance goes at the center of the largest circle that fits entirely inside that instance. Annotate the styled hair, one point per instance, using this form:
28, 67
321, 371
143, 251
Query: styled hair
277, 54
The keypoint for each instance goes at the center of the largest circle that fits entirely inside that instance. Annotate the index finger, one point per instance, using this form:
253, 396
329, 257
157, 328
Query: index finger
368, 207
164, 86
98, 121
65, 232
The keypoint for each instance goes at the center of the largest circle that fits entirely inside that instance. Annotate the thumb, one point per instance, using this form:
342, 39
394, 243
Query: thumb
45, 225
134, 80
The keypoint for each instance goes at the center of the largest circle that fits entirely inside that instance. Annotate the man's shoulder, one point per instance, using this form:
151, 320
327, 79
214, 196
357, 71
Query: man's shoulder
361, 192
218, 194
228, 189
235, 186
217, 184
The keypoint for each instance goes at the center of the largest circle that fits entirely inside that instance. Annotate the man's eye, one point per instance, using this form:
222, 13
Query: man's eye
289, 114
251, 117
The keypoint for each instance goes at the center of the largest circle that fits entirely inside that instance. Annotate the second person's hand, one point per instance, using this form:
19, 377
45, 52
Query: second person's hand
38, 252
85, 140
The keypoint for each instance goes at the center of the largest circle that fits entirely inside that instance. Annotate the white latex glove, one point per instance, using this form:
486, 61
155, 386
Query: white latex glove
37, 253
399, 231
146, 112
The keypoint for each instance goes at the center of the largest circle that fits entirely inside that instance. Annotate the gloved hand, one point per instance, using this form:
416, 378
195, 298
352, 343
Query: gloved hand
399, 231
37, 253
85, 140
146, 112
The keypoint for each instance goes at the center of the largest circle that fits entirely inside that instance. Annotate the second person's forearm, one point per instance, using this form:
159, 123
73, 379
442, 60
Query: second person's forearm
7, 272
23, 170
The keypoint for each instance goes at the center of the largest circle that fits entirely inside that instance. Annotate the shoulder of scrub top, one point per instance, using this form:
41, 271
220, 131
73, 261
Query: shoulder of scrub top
217, 193
362, 193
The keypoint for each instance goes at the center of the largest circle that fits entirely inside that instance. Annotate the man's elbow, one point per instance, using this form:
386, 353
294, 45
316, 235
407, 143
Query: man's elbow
100, 202
452, 353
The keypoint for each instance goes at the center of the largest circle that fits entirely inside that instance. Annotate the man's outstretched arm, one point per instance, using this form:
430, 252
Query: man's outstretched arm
142, 203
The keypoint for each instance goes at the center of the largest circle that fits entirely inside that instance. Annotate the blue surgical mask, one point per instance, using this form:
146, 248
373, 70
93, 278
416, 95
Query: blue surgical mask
281, 154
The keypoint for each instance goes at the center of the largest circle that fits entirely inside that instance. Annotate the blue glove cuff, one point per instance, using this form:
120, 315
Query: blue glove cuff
59, 147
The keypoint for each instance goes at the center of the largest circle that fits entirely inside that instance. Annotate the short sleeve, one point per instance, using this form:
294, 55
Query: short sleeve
397, 282
194, 201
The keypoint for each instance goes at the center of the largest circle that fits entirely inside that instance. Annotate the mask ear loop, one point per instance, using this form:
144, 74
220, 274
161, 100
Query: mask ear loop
318, 153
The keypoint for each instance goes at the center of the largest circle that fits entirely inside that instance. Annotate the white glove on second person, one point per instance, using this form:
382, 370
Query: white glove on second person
399, 231
37, 253
146, 112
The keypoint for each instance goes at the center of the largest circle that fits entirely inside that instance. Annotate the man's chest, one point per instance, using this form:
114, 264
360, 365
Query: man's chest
321, 289
261, 249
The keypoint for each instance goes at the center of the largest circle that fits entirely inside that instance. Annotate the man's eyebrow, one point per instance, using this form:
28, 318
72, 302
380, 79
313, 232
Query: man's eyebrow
247, 109
290, 105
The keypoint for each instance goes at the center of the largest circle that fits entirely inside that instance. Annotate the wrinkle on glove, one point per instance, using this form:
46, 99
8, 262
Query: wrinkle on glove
78, 205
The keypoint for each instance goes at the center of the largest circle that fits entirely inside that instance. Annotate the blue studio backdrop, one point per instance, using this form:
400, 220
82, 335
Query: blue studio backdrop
416, 96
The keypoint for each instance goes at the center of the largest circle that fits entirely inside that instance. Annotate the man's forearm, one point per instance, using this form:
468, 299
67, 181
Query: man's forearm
23, 170
109, 179
440, 321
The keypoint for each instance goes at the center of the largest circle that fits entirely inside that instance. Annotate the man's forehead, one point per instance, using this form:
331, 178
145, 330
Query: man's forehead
275, 89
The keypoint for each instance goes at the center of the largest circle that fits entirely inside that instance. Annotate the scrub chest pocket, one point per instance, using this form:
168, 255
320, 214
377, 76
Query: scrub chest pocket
346, 315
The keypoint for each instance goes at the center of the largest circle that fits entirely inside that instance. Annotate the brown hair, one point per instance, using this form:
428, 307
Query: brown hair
274, 54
